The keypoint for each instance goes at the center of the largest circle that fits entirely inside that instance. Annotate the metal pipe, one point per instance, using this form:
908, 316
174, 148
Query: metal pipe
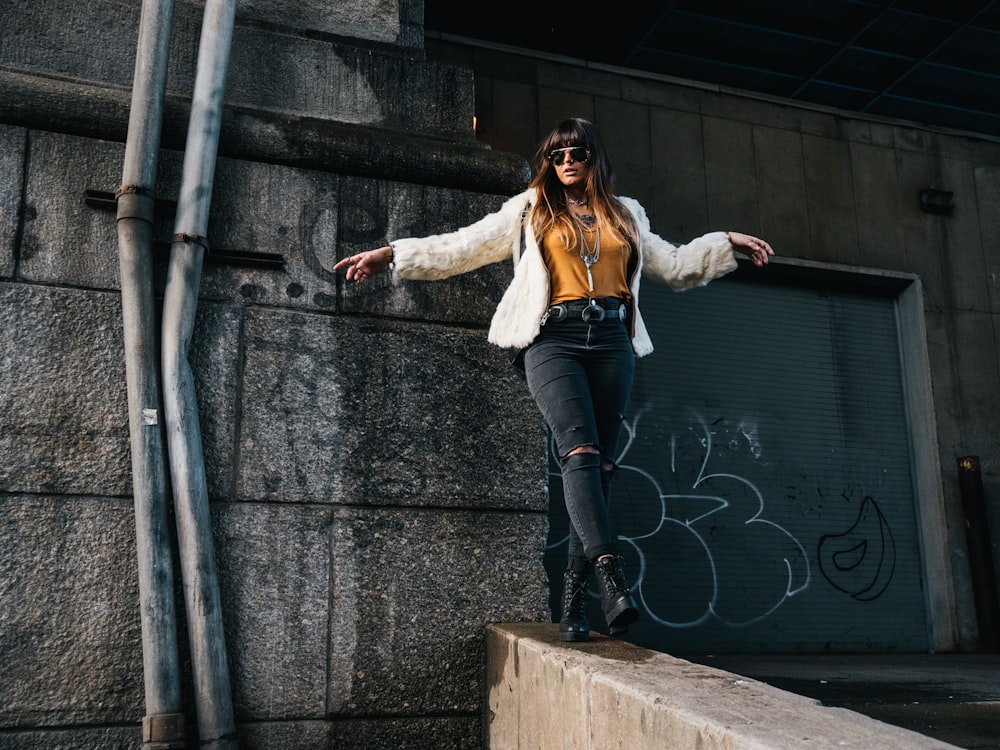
163, 725
210, 668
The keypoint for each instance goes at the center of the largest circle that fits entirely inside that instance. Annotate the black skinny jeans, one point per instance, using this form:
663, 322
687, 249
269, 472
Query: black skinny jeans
580, 375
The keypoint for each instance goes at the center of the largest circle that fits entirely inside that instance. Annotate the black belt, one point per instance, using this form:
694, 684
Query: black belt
590, 310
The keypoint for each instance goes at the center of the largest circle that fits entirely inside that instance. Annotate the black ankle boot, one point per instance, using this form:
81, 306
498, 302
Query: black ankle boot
619, 607
574, 625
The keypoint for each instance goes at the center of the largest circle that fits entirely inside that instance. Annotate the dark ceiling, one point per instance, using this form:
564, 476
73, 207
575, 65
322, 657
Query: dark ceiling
930, 62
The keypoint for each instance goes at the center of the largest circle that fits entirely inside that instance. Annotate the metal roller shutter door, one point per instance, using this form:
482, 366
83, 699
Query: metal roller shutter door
765, 502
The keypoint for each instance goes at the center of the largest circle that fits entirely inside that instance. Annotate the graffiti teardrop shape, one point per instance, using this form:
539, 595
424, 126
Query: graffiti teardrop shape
860, 561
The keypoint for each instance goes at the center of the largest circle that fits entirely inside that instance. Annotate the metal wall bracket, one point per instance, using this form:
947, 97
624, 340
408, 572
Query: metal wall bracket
105, 200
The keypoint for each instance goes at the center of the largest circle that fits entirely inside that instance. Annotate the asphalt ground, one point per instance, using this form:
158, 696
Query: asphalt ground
950, 697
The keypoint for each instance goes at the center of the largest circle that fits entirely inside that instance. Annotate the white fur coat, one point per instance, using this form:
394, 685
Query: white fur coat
518, 317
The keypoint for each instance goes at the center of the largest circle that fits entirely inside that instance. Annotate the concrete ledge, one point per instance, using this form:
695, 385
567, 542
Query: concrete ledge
546, 695
94, 110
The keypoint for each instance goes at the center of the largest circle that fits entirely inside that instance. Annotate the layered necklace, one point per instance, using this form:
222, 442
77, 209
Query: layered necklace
589, 254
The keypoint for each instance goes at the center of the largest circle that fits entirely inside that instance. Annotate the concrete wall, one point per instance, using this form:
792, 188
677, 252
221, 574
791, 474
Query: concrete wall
821, 186
360, 553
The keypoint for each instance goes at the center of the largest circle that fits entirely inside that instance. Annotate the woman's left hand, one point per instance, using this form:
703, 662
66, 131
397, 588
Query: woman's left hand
756, 249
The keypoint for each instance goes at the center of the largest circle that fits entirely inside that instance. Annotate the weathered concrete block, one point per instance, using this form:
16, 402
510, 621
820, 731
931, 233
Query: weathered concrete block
265, 209
214, 357
987, 184
880, 234
784, 218
78, 738
13, 142
63, 406
63, 416
292, 411
66, 241
384, 413
333, 217
375, 20
274, 576
411, 594
509, 716
71, 38
252, 212
833, 227
283, 735
70, 614
977, 365
439, 733
314, 77
373, 213
968, 262
678, 204
315, 74
922, 243
730, 175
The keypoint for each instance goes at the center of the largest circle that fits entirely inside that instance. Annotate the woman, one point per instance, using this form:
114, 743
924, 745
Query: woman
572, 312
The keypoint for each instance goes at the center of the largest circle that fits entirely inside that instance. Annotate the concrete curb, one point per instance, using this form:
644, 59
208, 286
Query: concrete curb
546, 695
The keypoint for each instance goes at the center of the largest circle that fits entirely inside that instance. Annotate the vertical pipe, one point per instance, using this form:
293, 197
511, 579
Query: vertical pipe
984, 587
163, 725
210, 667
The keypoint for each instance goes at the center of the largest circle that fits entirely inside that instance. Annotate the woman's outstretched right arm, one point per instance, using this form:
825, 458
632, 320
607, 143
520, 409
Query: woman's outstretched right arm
489, 240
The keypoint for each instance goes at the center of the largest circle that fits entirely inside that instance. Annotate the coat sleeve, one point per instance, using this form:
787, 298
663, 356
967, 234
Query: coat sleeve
489, 240
682, 266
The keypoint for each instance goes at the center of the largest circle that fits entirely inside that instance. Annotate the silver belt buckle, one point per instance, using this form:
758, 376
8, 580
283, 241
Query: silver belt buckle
592, 313
556, 313
622, 312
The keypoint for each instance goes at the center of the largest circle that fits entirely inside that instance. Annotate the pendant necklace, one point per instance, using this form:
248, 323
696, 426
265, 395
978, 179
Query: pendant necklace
589, 255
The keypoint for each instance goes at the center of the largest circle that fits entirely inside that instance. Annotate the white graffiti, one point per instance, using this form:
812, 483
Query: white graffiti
746, 566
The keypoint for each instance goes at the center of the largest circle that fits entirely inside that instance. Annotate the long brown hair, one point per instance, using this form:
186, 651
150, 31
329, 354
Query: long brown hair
550, 210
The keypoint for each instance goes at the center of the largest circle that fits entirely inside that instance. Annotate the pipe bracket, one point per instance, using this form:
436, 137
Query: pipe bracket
192, 239
135, 202
162, 731
131, 190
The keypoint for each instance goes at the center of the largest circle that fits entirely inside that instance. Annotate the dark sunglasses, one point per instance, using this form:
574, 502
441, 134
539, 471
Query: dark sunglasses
576, 153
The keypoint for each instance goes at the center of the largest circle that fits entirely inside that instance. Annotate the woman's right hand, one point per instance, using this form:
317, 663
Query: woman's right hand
362, 266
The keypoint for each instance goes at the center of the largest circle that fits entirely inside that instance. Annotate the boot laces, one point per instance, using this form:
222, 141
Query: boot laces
574, 591
612, 571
